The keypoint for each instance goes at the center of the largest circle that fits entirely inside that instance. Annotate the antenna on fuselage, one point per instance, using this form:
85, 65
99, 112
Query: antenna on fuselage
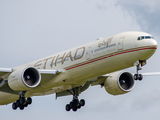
98, 38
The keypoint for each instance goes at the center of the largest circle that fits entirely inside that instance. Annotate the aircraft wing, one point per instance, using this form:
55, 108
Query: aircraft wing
47, 75
43, 72
150, 74
3, 71
100, 80
93, 81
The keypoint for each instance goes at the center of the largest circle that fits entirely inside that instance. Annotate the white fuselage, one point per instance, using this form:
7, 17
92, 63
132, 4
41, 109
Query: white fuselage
82, 63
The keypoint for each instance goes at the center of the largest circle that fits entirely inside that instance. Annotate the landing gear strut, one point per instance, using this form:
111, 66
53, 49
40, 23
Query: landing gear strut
75, 103
22, 102
138, 76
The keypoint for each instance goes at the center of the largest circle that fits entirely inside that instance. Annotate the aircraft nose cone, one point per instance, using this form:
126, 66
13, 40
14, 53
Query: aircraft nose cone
152, 43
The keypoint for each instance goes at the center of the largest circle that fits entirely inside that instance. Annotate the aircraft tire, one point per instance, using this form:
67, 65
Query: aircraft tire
21, 107
68, 108
14, 106
22, 100
75, 103
71, 105
74, 109
18, 103
79, 106
29, 100
135, 76
140, 77
26, 104
82, 102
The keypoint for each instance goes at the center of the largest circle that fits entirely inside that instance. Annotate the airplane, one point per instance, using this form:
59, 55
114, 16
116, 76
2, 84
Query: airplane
73, 71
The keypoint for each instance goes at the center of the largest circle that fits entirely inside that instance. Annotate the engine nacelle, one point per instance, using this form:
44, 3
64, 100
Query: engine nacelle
24, 79
119, 83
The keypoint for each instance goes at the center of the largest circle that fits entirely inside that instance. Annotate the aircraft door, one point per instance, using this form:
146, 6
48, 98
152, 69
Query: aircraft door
120, 43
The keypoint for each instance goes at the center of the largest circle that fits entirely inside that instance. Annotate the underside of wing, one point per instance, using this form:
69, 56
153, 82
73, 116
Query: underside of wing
24, 78
14, 82
115, 83
93, 81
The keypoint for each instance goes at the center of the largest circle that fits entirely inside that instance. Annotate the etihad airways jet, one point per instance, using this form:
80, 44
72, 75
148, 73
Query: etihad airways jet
73, 71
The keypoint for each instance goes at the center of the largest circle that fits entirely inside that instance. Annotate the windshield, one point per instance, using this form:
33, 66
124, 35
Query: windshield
144, 37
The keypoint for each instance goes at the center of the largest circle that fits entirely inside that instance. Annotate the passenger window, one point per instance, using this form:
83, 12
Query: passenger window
142, 37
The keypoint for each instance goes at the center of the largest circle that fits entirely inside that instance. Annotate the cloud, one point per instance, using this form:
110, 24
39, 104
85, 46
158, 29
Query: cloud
146, 101
116, 15
149, 6
145, 11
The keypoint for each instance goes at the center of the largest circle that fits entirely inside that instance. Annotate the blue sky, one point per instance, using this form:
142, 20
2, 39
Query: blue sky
32, 29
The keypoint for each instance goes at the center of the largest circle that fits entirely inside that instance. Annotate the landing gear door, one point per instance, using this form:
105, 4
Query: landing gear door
120, 43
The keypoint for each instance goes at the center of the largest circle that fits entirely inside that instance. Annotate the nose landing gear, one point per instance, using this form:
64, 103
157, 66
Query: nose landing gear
138, 76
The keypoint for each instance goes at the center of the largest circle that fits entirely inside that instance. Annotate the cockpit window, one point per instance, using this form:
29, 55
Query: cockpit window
147, 37
139, 38
144, 37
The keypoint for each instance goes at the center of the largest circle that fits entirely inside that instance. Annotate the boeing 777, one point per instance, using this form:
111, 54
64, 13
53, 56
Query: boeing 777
71, 72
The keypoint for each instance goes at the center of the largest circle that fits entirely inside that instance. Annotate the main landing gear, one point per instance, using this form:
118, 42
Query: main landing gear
138, 76
22, 102
75, 103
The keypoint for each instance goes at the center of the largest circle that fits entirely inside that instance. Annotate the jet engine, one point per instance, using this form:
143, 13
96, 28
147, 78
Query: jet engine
119, 83
24, 78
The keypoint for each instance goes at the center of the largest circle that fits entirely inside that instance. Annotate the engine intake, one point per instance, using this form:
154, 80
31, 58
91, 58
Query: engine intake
24, 79
31, 77
126, 81
119, 83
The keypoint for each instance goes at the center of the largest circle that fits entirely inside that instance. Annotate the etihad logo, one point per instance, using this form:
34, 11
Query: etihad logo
105, 42
61, 58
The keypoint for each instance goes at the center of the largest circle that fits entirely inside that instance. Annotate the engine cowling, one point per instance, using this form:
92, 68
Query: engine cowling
119, 83
24, 78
